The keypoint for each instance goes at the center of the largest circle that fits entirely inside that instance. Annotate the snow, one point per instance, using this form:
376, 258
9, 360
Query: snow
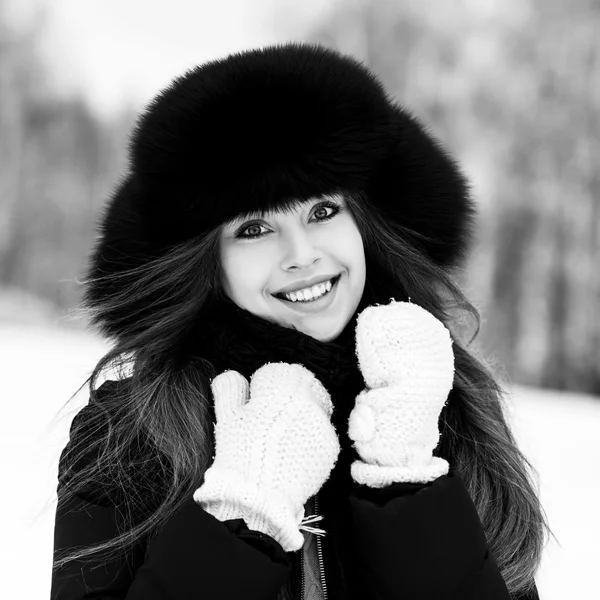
559, 433
43, 367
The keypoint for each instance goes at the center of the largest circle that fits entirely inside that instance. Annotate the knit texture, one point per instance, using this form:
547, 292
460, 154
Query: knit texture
405, 356
275, 447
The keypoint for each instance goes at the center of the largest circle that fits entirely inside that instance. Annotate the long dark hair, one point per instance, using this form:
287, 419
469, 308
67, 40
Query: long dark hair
166, 403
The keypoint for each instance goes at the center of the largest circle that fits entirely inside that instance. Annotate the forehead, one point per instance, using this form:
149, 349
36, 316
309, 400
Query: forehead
285, 207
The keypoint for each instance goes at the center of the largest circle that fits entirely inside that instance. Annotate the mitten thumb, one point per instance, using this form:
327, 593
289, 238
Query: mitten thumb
362, 424
230, 392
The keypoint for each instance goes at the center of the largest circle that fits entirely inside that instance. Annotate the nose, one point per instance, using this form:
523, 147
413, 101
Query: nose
300, 249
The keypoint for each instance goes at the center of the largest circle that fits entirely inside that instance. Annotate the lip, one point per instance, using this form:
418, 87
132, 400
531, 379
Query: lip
304, 283
316, 306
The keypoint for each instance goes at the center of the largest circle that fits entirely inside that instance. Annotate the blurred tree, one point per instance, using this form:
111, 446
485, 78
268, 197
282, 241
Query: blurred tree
58, 163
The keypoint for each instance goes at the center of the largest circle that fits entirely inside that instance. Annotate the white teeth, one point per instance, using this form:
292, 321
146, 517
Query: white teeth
309, 293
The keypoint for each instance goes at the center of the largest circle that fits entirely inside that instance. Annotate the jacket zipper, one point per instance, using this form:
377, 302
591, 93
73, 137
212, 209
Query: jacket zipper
320, 554
302, 573
320, 557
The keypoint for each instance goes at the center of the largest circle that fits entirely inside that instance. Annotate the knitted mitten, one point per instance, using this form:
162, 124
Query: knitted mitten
405, 356
274, 450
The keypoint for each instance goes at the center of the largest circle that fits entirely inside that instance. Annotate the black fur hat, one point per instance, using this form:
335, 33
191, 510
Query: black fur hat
243, 133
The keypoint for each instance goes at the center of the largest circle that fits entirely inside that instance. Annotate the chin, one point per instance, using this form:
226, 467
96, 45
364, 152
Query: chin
324, 336
330, 338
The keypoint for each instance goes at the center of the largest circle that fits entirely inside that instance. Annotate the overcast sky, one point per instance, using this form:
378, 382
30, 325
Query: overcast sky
125, 50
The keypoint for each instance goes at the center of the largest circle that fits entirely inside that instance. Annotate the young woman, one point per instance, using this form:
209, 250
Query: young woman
295, 413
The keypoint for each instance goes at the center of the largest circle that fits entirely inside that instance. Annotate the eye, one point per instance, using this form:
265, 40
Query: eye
325, 216
320, 208
253, 226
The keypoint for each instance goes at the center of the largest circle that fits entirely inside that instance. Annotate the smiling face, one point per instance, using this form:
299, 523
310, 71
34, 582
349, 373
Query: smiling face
314, 241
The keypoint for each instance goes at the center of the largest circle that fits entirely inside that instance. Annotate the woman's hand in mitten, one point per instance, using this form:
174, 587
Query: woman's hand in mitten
405, 356
275, 447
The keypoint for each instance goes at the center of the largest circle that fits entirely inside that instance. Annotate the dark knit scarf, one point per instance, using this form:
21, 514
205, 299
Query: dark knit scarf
233, 338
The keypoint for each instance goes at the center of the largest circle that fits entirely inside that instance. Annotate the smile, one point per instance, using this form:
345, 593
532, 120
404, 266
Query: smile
314, 305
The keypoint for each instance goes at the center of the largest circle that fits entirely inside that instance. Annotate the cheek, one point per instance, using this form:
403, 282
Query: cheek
354, 252
243, 274
357, 263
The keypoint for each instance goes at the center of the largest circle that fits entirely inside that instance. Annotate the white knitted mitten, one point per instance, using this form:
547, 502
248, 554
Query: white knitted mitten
275, 447
406, 359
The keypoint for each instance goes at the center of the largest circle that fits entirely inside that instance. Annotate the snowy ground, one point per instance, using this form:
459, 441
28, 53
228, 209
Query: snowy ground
42, 368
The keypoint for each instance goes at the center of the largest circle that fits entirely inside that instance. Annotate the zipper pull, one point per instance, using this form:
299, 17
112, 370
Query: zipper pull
305, 525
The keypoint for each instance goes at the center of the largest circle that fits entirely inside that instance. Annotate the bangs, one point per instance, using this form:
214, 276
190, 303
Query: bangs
284, 205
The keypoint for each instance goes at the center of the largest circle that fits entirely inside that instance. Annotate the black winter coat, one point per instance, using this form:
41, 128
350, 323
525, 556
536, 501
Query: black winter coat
406, 541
